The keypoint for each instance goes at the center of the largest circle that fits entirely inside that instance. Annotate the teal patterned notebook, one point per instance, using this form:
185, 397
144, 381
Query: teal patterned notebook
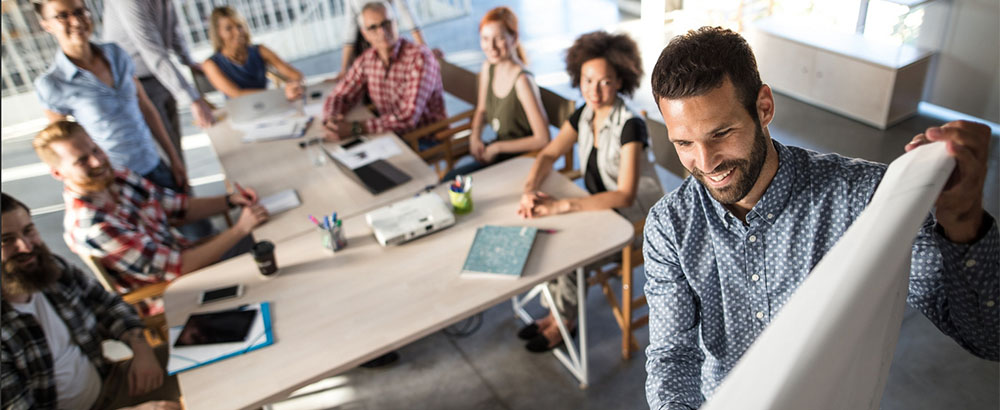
499, 251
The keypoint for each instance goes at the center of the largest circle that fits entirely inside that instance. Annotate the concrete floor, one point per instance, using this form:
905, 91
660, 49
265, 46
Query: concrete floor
489, 369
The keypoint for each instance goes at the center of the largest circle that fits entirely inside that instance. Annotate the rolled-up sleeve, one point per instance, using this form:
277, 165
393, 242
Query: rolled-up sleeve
674, 358
957, 287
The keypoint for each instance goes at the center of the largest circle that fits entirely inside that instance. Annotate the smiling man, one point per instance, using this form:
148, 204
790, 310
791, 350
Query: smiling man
726, 250
126, 221
54, 319
402, 78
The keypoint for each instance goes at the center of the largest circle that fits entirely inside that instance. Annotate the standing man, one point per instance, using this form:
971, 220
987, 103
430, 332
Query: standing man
402, 78
726, 250
148, 31
54, 320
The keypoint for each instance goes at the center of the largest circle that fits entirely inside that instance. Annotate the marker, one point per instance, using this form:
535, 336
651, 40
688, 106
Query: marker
548, 230
313, 219
334, 217
326, 222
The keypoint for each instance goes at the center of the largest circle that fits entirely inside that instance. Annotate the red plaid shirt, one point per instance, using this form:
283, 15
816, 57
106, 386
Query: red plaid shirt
129, 230
407, 94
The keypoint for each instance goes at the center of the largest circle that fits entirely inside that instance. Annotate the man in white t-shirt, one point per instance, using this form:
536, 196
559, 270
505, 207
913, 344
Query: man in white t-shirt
54, 317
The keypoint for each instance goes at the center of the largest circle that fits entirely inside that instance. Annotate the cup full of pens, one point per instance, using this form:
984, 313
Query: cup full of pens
331, 232
460, 193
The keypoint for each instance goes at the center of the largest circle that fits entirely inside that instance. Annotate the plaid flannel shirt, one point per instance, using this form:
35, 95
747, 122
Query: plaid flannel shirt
91, 314
407, 93
129, 230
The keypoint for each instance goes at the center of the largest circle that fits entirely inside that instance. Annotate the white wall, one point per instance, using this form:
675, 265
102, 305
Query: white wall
967, 78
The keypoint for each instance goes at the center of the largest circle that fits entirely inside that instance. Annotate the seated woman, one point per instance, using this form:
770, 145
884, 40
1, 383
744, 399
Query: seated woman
508, 98
612, 140
238, 67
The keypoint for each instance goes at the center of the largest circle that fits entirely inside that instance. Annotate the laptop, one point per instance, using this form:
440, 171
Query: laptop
377, 177
252, 107
255, 106
409, 219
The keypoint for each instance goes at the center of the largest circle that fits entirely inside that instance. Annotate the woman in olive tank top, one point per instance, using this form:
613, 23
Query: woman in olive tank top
508, 99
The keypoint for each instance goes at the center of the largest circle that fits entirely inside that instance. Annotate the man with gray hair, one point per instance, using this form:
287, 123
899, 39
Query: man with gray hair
402, 78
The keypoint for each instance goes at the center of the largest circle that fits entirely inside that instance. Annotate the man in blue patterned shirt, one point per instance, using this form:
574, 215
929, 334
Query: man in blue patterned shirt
725, 251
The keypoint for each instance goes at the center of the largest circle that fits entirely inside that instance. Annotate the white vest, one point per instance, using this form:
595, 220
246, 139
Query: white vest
609, 149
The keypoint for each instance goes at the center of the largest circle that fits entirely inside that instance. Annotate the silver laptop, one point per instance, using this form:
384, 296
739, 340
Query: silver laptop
255, 106
409, 219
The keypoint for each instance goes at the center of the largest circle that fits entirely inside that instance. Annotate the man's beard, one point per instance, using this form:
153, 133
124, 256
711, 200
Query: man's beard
98, 180
24, 276
746, 170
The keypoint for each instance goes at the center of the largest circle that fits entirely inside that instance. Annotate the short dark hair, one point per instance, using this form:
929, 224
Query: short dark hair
618, 49
699, 61
9, 203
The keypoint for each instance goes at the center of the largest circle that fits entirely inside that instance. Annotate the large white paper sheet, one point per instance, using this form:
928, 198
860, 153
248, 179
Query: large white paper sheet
831, 345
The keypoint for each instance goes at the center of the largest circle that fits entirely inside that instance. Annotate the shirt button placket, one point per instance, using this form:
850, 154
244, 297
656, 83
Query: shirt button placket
755, 267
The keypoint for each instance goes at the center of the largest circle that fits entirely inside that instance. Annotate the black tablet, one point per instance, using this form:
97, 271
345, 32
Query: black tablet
216, 327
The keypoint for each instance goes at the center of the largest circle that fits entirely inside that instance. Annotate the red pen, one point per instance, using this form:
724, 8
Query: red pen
243, 191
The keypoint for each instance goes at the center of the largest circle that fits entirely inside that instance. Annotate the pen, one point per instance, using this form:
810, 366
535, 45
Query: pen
548, 230
326, 222
334, 217
242, 191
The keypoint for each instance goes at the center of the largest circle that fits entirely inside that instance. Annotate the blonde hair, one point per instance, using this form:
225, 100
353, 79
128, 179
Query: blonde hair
61, 130
230, 13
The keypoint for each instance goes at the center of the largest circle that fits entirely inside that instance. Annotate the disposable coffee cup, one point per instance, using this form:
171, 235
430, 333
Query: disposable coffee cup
263, 254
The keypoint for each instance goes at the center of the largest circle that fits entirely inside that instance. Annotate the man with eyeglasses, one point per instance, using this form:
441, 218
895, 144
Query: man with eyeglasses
402, 78
96, 84
55, 317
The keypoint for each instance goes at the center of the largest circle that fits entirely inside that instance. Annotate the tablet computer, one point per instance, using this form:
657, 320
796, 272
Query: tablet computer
216, 327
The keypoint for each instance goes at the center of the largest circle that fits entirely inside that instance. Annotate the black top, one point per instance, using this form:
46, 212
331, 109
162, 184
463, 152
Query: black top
633, 130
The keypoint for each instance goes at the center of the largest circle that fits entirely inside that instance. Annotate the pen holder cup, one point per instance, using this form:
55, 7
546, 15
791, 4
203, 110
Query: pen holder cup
333, 238
461, 201
317, 154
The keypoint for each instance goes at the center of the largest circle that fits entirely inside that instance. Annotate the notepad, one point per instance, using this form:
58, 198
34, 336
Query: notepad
184, 358
281, 201
499, 251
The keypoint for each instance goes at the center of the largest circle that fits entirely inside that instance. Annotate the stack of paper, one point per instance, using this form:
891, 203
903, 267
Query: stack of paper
365, 153
281, 201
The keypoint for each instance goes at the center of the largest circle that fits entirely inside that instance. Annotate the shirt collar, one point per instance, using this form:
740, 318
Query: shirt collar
66, 67
70, 70
396, 49
775, 196
613, 118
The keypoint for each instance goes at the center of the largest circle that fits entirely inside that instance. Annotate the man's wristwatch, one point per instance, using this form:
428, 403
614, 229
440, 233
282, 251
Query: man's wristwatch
356, 128
229, 202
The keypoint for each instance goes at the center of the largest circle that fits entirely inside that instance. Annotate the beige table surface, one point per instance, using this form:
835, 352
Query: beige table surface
274, 166
331, 312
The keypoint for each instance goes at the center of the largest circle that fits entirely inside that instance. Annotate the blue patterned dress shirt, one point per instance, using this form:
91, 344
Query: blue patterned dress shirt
714, 283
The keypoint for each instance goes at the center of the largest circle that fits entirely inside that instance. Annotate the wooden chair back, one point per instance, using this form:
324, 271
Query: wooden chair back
156, 325
558, 109
663, 150
623, 312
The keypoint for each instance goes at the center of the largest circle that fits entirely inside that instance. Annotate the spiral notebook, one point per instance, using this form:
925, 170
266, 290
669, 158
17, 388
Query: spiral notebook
499, 251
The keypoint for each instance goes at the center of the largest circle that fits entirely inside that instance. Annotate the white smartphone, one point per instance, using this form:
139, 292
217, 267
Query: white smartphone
227, 292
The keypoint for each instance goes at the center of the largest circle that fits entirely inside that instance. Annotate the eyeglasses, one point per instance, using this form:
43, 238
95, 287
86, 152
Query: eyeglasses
80, 14
384, 25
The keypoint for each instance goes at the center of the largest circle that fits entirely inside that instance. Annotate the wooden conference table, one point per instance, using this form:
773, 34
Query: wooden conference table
274, 166
332, 312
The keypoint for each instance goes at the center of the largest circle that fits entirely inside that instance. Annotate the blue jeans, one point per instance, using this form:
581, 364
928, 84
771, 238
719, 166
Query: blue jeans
163, 177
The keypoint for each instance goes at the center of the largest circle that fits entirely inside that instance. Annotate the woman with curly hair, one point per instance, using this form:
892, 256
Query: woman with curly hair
612, 141
508, 98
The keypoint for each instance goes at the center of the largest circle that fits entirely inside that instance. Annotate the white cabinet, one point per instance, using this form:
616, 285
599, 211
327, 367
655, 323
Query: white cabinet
845, 73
